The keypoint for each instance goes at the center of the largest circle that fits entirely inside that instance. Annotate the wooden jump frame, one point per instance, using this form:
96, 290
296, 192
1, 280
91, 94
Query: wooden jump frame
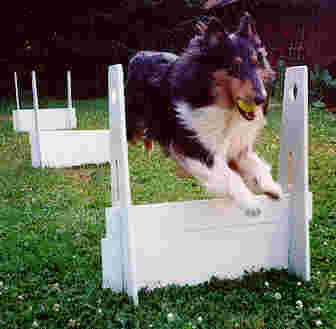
188, 242
50, 118
64, 148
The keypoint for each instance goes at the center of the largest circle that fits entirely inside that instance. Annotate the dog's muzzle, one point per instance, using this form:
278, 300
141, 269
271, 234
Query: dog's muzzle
246, 110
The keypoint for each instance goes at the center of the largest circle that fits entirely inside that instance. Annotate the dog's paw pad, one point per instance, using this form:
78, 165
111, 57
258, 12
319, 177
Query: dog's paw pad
253, 212
273, 196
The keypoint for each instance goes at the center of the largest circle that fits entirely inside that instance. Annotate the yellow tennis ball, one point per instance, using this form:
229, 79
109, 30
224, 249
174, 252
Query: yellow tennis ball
246, 107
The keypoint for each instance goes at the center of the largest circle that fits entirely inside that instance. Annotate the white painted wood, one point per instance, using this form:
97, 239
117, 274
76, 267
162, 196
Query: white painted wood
36, 127
294, 139
16, 91
49, 118
118, 130
111, 261
69, 89
64, 148
188, 242
116, 133
120, 158
67, 148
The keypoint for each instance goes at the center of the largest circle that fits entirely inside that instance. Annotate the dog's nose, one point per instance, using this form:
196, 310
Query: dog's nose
259, 100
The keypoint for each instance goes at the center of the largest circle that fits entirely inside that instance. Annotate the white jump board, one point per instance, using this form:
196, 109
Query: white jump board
188, 242
49, 119
58, 148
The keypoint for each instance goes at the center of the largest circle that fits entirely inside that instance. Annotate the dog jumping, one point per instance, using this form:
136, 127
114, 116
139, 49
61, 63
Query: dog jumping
206, 107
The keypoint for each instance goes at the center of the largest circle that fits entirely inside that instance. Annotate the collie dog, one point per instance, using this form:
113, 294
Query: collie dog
205, 109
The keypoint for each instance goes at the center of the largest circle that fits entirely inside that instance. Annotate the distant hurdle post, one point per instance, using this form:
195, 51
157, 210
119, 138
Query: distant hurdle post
49, 118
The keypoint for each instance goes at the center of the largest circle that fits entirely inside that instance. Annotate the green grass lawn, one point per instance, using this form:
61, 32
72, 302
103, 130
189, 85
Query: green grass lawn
52, 221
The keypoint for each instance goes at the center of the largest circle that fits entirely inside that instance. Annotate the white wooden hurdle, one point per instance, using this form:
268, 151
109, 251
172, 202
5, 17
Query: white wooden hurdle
64, 148
50, 118
188, 242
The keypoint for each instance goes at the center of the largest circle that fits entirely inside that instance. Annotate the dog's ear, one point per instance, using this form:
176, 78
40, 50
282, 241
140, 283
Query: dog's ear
215, 25
201, 27
247, 27
215, 32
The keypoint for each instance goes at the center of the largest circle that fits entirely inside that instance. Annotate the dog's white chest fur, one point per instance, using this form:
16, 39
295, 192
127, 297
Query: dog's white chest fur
224, 132
228, 136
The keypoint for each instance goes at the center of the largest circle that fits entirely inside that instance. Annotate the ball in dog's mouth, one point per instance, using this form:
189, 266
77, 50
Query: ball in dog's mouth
246, 110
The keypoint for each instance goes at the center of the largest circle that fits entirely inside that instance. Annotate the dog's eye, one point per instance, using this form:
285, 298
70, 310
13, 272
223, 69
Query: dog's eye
260, 58
234, 69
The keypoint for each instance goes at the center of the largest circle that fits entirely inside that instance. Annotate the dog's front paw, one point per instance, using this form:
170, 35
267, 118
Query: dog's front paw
274, 192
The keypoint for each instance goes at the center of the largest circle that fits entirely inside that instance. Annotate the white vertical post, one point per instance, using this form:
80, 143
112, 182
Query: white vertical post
294, 139
117, 122
117, 111
69, 89
36, 130
115, 128
16, 91
35, 92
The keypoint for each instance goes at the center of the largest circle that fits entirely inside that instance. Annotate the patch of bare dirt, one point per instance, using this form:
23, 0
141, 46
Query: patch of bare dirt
6, 118
78, 175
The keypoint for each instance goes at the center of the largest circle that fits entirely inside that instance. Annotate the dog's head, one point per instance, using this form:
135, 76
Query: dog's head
240, 68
